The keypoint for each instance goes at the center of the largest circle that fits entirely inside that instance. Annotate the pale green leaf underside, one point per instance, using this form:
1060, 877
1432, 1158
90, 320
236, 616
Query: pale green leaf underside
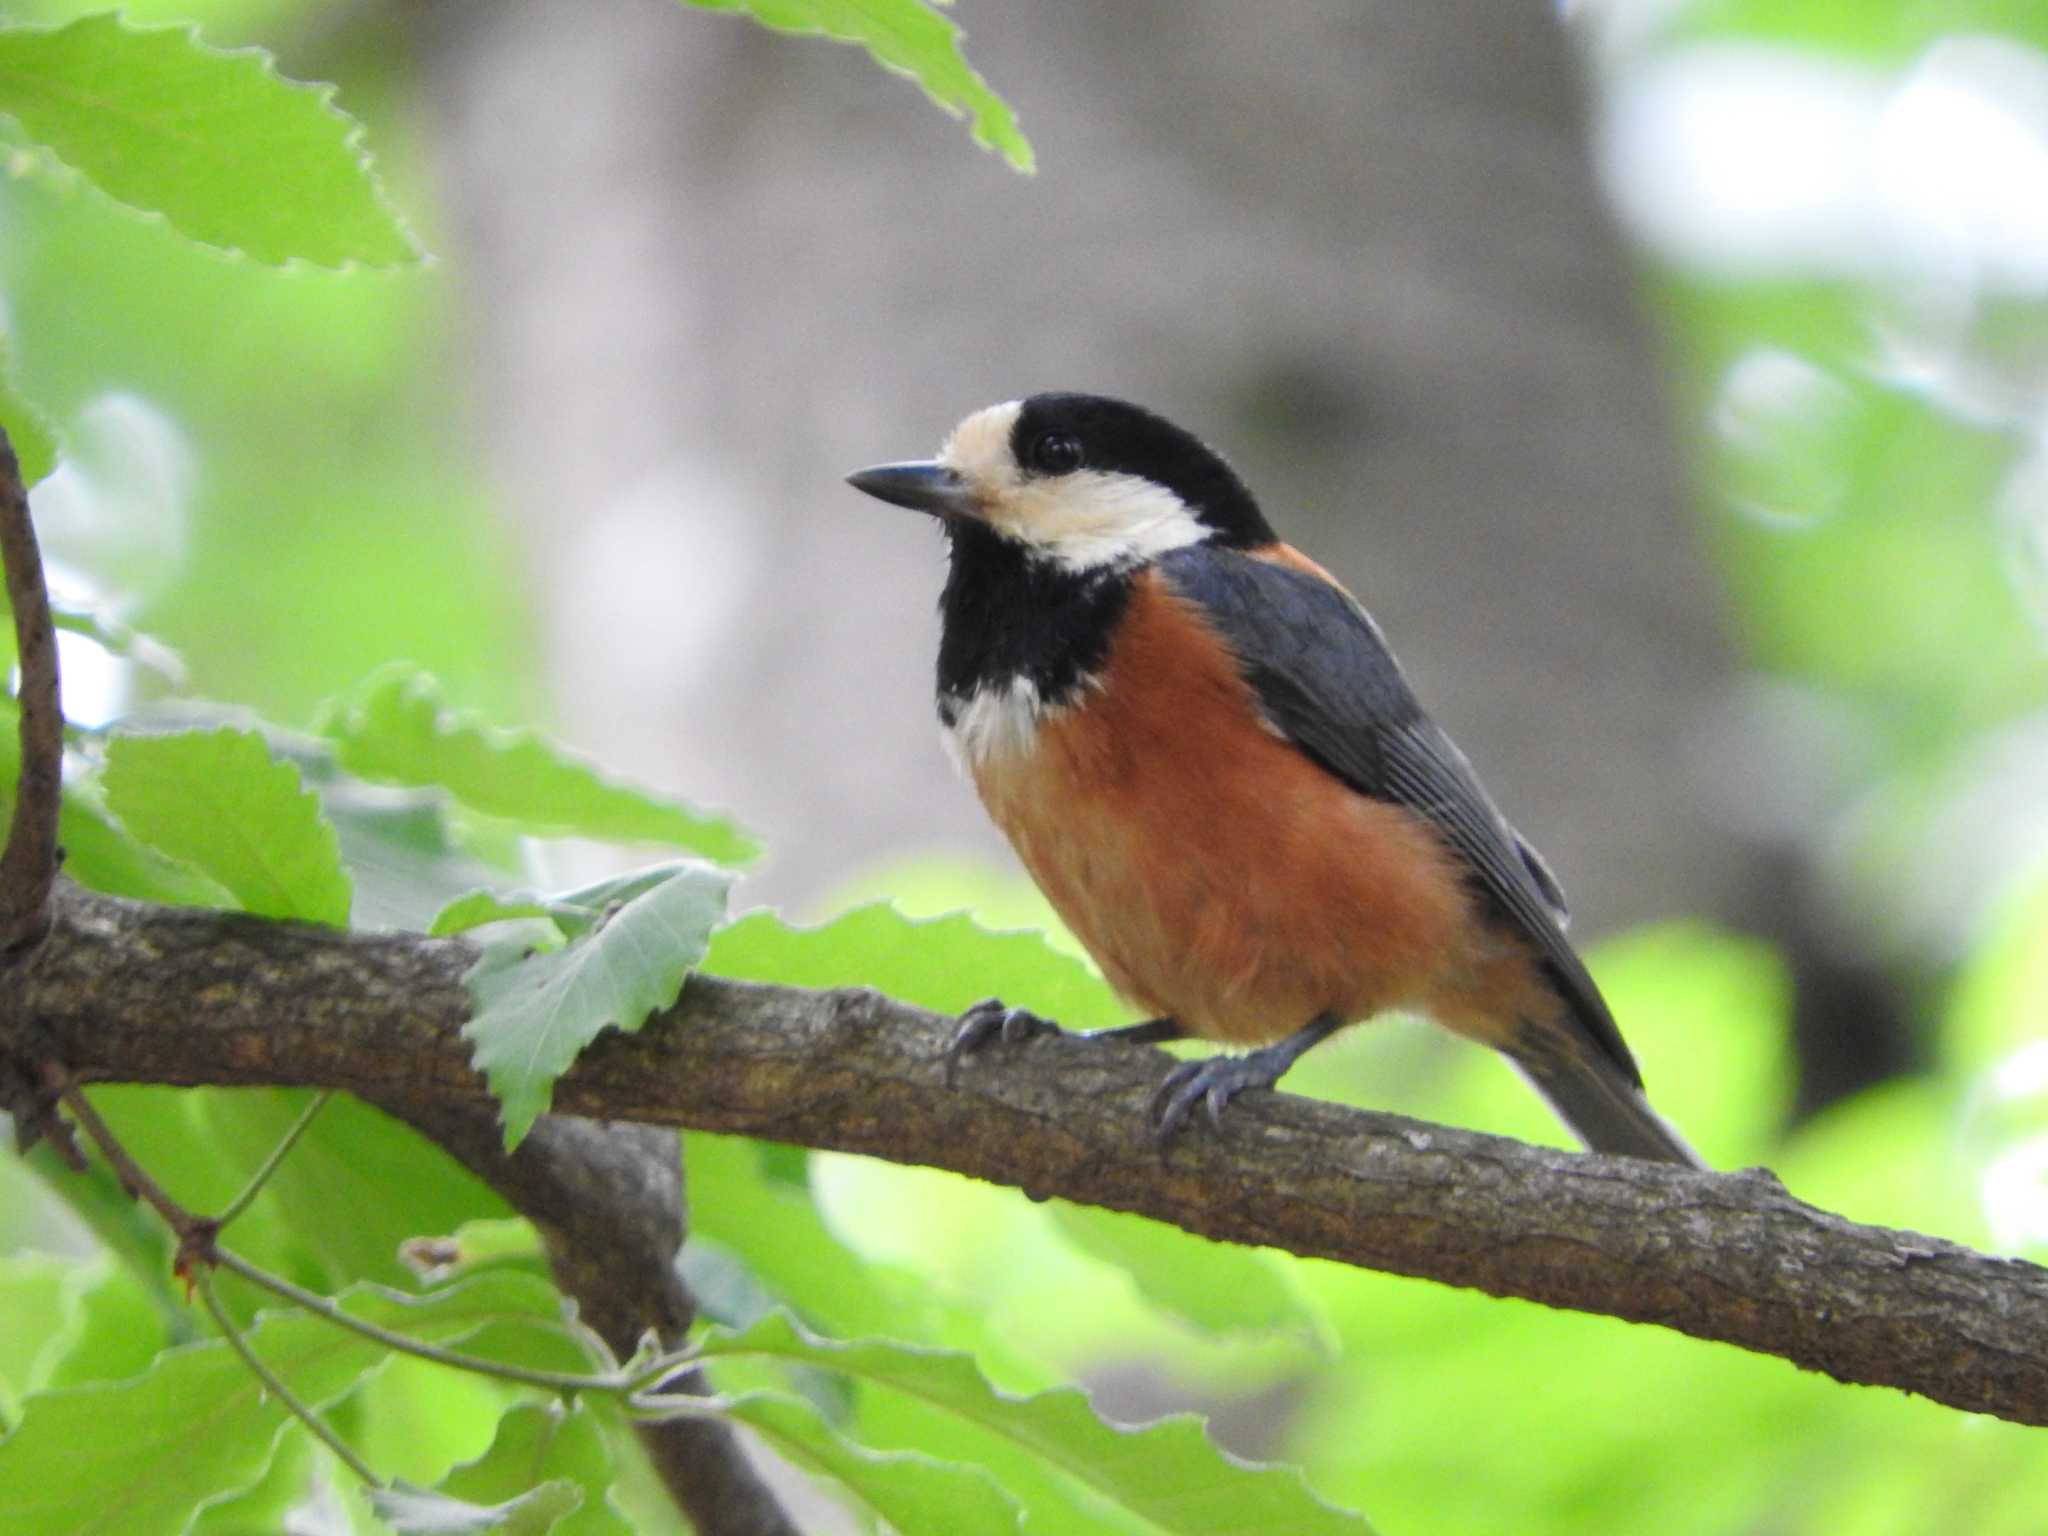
141, 1455
219, 801
538, 1511
396, 730
535, 1012
911, 1494
1167, 1474
227, 150
911, 38
538, 1443
573, 912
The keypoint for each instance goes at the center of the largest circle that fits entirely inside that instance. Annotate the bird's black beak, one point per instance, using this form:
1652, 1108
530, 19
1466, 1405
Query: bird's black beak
923, 487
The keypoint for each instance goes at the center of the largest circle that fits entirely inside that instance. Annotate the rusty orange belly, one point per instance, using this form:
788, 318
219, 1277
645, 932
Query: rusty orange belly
1217, 875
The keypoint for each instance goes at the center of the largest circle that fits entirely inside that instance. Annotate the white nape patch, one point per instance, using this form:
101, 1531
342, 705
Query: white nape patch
997, 720
1085, 521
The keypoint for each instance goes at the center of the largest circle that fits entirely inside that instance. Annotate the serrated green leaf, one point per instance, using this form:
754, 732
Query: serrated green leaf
396, 730
944, 963
143, 1455
1218, 1287
120, 1327
99, 853
227, 150
911, 38
540, 1442
34, 442
414, 1512
64, 1320
535, 1012
572, 912
263, 1508
912, 1494
220, 801
1168, 1474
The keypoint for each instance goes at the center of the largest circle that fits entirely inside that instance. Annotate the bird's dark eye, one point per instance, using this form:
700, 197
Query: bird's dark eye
1055, 453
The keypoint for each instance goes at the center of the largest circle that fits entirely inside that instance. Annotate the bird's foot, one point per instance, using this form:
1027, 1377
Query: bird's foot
989, 1021
1213, 1082
1216, 1080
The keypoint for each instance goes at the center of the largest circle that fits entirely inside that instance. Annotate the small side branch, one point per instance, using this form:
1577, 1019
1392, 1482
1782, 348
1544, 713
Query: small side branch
28, 867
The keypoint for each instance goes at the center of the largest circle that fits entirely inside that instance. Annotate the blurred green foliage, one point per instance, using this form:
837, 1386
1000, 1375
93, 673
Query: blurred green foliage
266, 469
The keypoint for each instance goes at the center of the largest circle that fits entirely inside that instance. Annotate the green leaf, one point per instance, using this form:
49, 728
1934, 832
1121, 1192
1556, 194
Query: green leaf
536, 1443
1168, 1474
536, 1512
473, 909
535, 1012
219, 800
911, 1493
99, 853
396, 730
944, 963
117, 639
38, 1310
35, 444
401, 855
1218, 1287
777, 1232
119, 1328
143, 1455
572, 912
392, 1181
228, 151
910, 38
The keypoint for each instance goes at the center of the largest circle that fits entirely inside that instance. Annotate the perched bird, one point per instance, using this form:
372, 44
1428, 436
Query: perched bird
1201, 748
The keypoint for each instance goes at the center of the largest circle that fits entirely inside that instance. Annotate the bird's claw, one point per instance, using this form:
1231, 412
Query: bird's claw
989, 1021
1212, 1083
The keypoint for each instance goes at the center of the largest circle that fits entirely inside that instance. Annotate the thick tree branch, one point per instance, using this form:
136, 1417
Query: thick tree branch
136, 993
28, 867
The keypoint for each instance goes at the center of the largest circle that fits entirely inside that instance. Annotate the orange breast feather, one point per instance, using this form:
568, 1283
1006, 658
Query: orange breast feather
1217, 875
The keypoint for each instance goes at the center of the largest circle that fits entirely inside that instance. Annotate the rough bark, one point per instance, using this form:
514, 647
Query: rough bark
135, 993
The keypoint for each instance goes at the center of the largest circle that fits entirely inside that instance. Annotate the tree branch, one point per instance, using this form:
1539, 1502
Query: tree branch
137, 993
28, 867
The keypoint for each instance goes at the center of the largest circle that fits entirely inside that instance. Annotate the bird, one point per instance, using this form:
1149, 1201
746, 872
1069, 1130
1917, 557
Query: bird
1206, 756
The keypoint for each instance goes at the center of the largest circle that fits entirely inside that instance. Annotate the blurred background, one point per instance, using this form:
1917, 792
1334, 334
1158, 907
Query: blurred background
1670, 378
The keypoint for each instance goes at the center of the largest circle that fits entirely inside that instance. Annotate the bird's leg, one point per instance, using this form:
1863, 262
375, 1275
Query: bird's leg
1219, 1079
990, 1020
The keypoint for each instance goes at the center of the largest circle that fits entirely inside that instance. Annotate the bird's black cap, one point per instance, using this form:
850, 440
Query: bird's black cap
1120, 438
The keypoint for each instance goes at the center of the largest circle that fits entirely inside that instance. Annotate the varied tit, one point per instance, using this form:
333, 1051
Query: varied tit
1206, 756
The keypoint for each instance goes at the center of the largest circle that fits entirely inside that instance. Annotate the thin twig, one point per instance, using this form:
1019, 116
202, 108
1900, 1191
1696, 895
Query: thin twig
135, 1179
261, 1176
284, 1394
553, 1381
28, 867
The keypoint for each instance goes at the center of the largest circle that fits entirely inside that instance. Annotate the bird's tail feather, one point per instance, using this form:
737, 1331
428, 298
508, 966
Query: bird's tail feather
1603, 1107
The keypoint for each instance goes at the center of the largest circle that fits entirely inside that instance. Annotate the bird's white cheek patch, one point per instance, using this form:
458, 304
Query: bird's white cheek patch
997, 721
1092, 519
